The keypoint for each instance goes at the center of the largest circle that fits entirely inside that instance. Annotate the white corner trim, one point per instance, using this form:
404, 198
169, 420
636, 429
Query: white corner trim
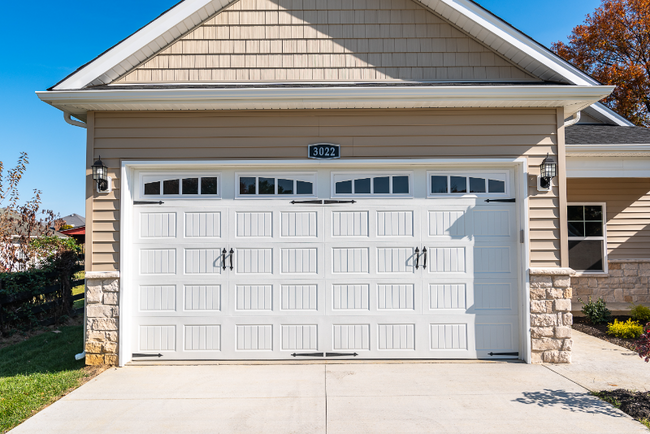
609, 114
102, 275
552, 272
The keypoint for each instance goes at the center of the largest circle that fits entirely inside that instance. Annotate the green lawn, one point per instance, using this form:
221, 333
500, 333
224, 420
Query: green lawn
79, 290
35, 373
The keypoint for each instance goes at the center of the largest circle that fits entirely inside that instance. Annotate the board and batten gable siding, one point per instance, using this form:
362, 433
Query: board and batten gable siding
628, 208
324, 40
362, 134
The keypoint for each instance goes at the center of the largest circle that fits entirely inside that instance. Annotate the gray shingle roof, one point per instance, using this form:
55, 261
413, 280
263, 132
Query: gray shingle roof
75, 220
607, 135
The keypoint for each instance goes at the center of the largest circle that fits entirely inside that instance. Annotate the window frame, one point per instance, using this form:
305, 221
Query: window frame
374, 174
295, 176
498, 175
148, 177
602, 238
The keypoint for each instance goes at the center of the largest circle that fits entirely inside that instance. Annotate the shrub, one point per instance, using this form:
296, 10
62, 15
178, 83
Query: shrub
626, 330
641, 314
643, 344
596, 311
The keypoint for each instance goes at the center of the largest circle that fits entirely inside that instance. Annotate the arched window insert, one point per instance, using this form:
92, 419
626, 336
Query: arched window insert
265, 186
182, 185
372, 184
444, 184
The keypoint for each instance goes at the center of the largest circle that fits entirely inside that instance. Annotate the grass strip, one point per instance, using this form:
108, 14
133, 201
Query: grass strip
37, 372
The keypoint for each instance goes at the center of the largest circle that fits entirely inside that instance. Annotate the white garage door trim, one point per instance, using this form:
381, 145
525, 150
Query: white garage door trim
130, 184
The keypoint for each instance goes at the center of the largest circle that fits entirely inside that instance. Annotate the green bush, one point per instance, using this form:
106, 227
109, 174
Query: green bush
626, 330
641, 314
596, 311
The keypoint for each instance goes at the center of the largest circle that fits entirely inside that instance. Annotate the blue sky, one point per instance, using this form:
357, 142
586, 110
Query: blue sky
63, 37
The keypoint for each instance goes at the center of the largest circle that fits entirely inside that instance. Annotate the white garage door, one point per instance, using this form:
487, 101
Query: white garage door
355, 264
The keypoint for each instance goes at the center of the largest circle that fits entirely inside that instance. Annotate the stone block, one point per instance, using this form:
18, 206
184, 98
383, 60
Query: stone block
616, 273
110, 359
592, 282
537, 293
94, 359
111, 336
546, 344
563, 332
564, 357
614, 266
111, 285
541, 332
554, 293
563, 305
541, 281
644, 272
567, 319
536, 357
551, 356
110, 347
561, 281
93, 347
99, 311
104, 324
634, 272
568, 293
539, 306
543, 320
627, 299
95, 336
630, 266
644, 266
110, 298
567, 345
93, 293
618, 295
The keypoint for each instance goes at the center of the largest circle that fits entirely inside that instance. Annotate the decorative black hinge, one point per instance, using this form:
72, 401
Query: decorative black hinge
146, 355
504, 354
146, 202
308, 355
330, 202
309, 202
501, 200
341, 354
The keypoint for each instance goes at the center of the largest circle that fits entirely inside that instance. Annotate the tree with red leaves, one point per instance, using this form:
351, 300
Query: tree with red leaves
613, 46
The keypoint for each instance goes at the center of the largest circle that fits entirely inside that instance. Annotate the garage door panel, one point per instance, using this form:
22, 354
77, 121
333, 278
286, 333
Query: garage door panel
395, 223
158, 261
199, 225
158, 225
300, 224
207, 260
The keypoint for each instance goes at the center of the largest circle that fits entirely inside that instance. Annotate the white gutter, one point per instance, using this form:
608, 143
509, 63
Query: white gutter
68, 118
574, 120
609, 150
572, 98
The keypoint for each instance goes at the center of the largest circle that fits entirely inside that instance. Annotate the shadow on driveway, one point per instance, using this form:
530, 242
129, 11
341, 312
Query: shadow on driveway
571, 401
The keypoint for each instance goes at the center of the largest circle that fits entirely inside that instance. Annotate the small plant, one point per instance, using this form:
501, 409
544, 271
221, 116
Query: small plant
641, 314
596, 311
643, 344
626, 330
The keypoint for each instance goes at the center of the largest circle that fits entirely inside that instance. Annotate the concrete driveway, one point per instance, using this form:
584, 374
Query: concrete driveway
332, 398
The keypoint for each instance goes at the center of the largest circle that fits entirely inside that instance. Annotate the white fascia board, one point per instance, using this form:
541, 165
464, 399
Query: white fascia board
572, 97
608, 148
515, 38
609, 114
134, 43
598, 167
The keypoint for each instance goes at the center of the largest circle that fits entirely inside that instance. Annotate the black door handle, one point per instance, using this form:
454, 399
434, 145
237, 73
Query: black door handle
223, 258
424, 252
417, 258
232, 252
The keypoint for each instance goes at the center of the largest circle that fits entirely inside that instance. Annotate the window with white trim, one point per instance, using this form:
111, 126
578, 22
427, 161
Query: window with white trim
182, 185
447, 183
370, 185
266, 186
587, 237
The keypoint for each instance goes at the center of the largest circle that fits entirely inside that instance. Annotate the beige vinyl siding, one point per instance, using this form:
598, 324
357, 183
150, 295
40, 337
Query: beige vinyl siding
431, 133
628, 212
324, 40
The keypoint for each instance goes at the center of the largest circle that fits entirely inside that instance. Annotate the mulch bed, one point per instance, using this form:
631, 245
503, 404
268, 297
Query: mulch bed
600, 331
636, 404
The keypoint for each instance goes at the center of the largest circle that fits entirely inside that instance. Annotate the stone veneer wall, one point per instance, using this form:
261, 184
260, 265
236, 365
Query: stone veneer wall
550, 315
102, 318
628, 281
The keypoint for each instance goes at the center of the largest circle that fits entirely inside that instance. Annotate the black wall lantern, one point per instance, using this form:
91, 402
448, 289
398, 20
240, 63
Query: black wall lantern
100, 175
548, 171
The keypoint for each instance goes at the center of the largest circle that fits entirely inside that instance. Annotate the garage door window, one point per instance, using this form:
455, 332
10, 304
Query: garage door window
387, 185
267, 186
446, 184
587, 239
181, 186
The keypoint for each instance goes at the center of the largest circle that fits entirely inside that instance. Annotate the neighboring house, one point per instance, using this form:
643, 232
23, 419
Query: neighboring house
430, 236
78, 229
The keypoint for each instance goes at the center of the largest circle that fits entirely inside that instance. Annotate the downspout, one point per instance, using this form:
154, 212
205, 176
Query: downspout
68, 118
574, 120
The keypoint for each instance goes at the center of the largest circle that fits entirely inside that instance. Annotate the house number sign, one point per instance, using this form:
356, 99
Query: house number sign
324, 151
